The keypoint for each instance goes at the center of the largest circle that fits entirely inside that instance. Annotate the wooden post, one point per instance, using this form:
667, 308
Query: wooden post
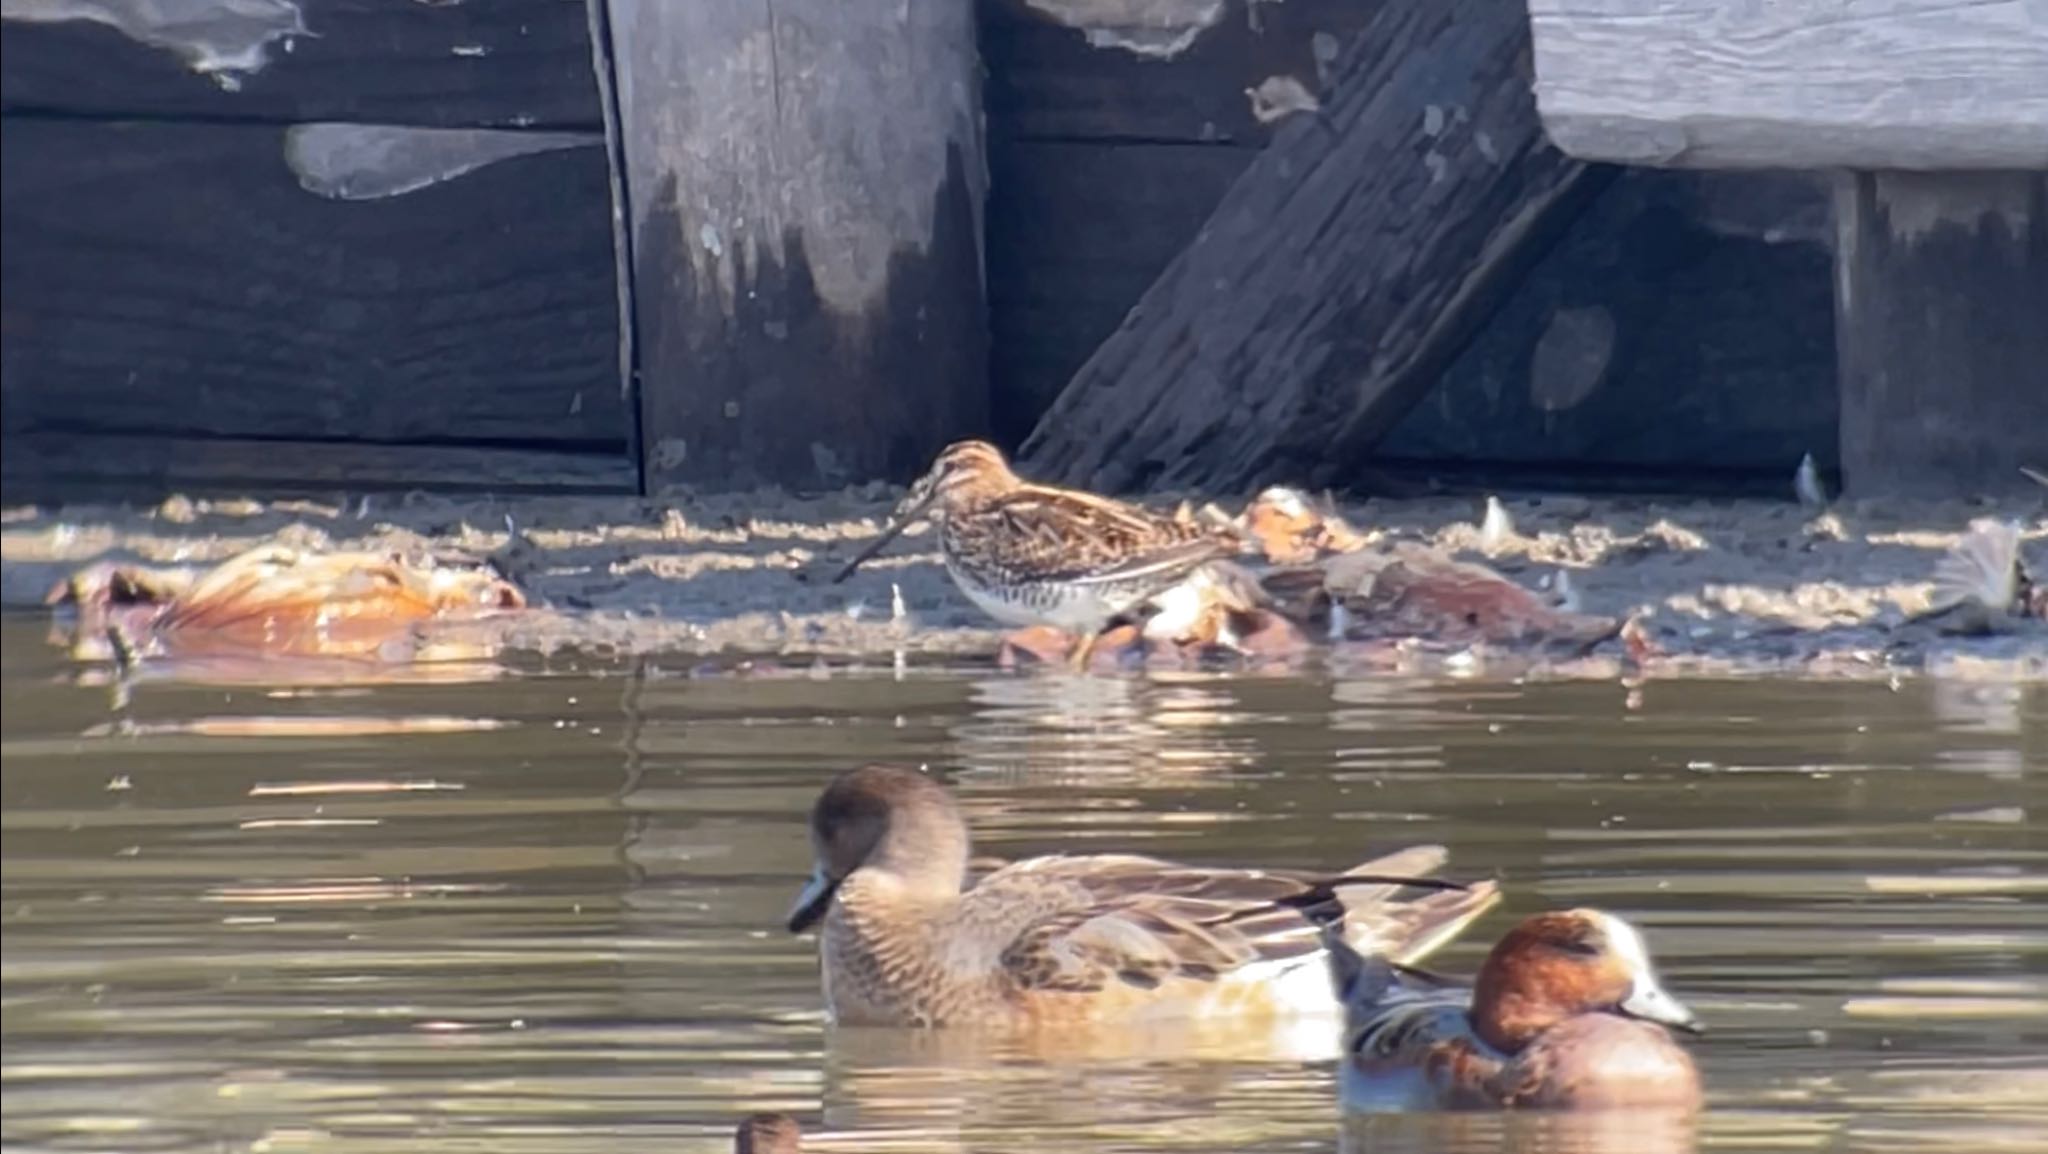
1340, 274
1942, 330
805, 182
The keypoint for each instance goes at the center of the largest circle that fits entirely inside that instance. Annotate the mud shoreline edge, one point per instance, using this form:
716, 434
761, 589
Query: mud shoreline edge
1726, 587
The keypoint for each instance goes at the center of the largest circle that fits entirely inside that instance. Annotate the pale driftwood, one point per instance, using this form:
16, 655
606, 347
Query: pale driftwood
806, 182
1942, 330
1874, 84
1339, 275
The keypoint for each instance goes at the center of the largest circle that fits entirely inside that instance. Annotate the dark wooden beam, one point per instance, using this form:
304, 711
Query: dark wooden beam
806, 186
1684, 325
1120, 213
1942, 324
1342, 272
55, 466
322, 282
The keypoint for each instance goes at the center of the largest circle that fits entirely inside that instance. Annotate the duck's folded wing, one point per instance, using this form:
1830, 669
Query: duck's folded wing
1139, 921
1141, 942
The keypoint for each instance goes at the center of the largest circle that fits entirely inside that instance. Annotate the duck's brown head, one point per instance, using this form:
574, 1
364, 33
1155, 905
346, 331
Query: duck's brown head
768, 1134
1556, 966
889, 819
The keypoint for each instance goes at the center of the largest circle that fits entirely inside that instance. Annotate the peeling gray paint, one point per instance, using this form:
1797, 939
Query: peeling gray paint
1571, 357
1159, 29
1326, 49
1278, 97
1918, 206
741, 206
222, 39
372, 161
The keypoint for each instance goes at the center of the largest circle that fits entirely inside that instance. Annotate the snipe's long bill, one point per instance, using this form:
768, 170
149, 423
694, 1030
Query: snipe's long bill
898, 521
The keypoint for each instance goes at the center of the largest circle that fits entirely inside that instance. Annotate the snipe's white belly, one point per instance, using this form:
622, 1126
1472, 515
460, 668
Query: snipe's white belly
1074, 608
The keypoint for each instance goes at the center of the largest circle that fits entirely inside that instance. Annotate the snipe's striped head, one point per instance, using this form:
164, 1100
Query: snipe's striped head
963, 471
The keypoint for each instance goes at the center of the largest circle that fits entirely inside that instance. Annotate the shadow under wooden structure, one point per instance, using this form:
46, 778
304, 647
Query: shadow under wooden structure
625, 245
1934, 116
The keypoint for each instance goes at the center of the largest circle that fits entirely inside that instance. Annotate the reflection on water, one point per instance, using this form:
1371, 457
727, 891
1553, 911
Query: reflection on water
541, 912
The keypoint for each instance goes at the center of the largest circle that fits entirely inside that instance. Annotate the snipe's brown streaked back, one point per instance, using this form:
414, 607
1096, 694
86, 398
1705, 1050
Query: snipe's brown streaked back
1030, 554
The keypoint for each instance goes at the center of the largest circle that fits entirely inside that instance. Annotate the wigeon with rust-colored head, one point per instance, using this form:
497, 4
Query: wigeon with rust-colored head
768, 1134
1567, 1013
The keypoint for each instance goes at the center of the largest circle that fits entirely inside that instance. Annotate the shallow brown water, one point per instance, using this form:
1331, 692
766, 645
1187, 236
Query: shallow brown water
541, 912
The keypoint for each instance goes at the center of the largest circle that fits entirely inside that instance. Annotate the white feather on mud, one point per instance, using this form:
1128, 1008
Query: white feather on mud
1984, 566
1563, 594
1496, 528
1981, 581
1806, 484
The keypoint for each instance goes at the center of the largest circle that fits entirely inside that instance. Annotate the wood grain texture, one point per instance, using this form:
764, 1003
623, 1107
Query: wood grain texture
1943, 330
1339, 276
1061, 69
1683, 327
807, 189
58, 466
1917, 84
178, 279
512, 63
1077, 231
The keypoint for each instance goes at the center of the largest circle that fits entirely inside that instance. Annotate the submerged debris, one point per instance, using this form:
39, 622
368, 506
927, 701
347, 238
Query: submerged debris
277, 601
1330, 579
1414, 591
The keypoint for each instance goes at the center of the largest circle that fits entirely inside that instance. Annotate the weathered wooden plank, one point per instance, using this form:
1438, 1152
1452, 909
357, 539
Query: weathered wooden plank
1340, 274
1147, 71
58, 466
1943, 329
324, 282
1077, 231
509, 63
1683, 326
807, 189
1927, 84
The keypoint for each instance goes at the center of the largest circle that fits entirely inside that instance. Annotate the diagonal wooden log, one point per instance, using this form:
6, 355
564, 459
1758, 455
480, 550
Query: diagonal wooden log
1339, 276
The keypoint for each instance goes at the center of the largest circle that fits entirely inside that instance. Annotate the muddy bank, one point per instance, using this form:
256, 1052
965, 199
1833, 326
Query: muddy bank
1720, 586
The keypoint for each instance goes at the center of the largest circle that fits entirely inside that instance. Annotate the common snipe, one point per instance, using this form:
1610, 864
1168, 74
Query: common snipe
1029, 554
